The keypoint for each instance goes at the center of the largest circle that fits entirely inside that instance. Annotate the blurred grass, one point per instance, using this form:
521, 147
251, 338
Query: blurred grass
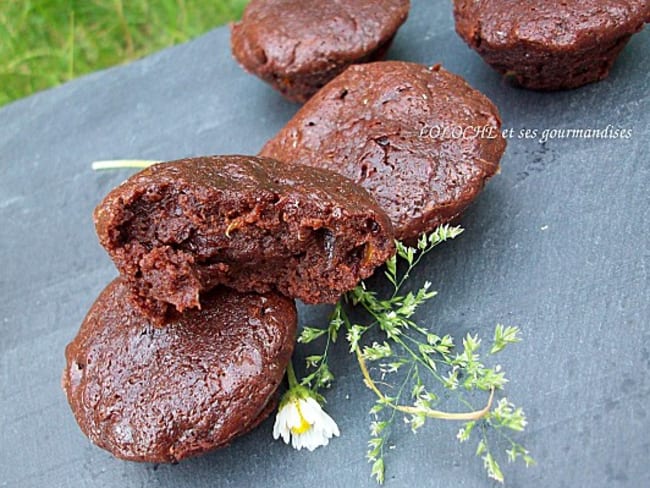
46, 42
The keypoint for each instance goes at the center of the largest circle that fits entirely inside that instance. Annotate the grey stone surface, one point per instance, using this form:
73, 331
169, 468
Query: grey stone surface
557, 244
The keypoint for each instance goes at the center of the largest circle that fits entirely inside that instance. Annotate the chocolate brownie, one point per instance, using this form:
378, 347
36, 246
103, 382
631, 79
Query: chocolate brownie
395, 128
156, 394
550, 45
299, 46
178, 229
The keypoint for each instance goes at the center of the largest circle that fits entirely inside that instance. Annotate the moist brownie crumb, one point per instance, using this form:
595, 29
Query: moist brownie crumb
393, 128
299, 46
178, 229
156, 394
550, 45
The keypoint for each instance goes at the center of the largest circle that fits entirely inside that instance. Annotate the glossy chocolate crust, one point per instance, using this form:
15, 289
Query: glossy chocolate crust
550, 45
163, 394
382, 125
178, 229
298, 46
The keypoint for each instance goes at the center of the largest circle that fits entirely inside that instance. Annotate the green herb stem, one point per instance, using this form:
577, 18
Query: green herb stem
123, 163
291, 376
427, 412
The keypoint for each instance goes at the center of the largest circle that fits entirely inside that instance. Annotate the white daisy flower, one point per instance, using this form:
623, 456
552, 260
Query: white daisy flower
301, 419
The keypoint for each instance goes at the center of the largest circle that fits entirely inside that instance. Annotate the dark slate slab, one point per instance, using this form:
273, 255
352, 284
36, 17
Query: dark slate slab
557, 244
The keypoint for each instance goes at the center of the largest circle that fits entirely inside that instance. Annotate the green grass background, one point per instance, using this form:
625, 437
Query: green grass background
46, 42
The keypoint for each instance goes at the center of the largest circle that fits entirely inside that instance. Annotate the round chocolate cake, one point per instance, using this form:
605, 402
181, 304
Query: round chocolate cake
156, 394
550, 45
298, 46
178, 229
420, 140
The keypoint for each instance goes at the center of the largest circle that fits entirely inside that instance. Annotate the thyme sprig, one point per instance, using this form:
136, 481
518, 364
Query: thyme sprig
418, 368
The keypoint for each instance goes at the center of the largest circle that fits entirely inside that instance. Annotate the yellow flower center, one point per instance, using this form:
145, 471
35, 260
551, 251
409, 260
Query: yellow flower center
304, 426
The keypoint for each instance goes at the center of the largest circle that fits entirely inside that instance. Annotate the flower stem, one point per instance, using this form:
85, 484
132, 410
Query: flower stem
291, 376
427, 412
122, 163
